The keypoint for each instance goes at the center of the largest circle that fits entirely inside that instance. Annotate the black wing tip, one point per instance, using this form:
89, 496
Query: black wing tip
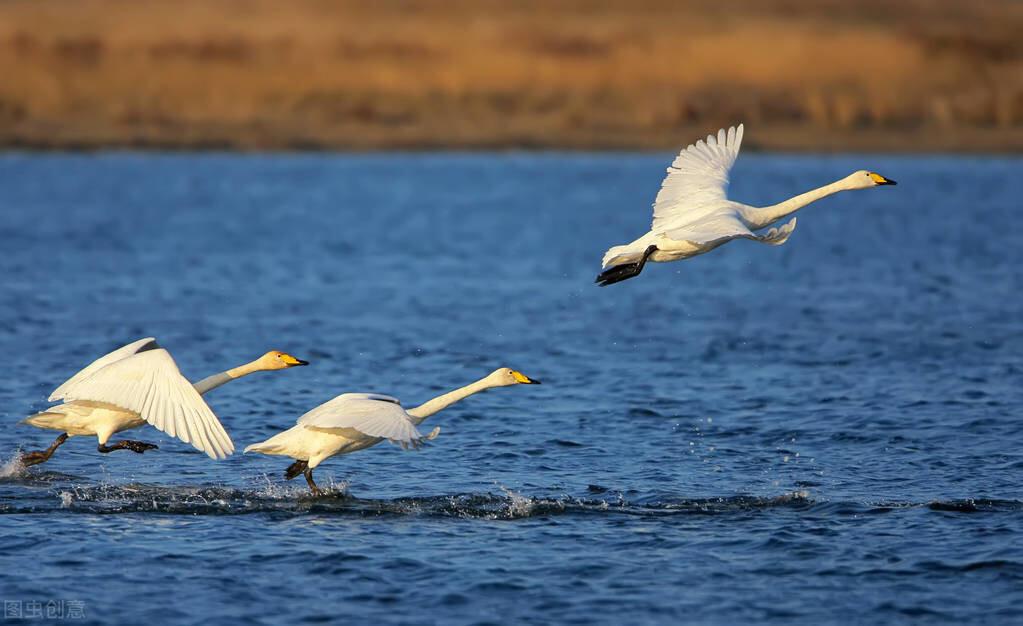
149, 345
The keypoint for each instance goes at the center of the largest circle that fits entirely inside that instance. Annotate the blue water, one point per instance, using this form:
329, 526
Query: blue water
822, 432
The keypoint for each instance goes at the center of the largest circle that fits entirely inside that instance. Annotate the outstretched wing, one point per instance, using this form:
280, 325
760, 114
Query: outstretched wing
370, 414
697, 179
717, 229
118, 354
150, 384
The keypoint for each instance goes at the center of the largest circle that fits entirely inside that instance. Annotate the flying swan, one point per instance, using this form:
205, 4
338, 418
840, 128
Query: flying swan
138, 384
354, 421
692, 215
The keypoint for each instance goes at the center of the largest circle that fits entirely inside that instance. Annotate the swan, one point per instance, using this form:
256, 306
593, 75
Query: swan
354, 421
137, 384
692, 215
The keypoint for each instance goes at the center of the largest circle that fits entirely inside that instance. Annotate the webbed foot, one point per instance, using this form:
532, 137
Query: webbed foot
625, 271
295, 469
135, 446
42, 456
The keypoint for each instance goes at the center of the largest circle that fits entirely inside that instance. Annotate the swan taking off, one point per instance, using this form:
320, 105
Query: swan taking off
693, 216
354, 421
138, 384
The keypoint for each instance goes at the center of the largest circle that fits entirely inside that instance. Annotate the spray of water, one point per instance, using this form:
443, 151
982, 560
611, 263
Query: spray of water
12, 467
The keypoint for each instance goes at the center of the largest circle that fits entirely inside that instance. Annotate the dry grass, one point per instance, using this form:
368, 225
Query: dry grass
823, 74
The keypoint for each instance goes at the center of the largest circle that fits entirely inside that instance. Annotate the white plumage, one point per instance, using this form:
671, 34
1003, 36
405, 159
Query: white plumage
355, 421
697, 179
371, 414
138, 384
90, 369
150, 385
135, 384
693, 215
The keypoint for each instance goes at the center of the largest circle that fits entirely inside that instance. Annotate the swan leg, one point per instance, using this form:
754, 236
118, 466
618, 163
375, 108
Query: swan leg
35, 458
625, 271
295, 469
302, 467
127, 444
309, 479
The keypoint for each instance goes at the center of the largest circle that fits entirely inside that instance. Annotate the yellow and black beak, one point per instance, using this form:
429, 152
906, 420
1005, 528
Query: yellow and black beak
291, 361
881, 180
523, 379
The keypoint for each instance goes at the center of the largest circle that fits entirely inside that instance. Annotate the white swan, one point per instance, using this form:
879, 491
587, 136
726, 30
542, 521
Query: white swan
138, 384
693, 216
354, 421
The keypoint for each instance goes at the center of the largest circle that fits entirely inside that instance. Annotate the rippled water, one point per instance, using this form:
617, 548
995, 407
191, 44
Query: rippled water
822, 432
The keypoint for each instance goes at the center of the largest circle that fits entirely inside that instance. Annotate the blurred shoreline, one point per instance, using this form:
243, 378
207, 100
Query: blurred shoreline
770, 139
817, 75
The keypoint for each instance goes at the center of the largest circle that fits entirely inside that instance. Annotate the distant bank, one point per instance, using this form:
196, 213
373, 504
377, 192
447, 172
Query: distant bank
820, 75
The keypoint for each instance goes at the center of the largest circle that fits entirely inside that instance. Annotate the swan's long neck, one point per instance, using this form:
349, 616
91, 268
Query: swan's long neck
212, 382
759, 218
442, 402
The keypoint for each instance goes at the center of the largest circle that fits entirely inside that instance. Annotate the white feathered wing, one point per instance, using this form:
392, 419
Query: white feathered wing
90, 369
692, 204
371, 414
697, 180
150, 384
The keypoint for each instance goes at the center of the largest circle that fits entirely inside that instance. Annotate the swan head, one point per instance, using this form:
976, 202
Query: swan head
506, 376
277, 360
862, 179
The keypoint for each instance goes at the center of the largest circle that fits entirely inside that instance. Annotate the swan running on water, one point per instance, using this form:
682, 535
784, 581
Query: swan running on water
354, 421
137, 384
693, 216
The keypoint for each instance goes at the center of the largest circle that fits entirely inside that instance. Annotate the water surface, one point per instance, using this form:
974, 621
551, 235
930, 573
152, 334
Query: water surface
826, 431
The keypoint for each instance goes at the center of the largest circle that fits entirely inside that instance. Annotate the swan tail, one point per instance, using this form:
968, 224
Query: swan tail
274, 445
263, 448
619, 255
47, 419
779, 235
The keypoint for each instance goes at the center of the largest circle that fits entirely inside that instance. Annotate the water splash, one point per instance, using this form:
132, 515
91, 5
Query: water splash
266, 496
267, 488
12, 467
518, 505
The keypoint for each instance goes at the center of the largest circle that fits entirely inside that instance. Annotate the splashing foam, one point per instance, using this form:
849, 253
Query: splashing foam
336, 489
795, 496
12, 466
272, 490
518, 505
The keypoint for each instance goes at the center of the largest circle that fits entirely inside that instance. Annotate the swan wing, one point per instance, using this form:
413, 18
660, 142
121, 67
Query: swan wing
150, 384
710, 229
717, 229
371, 414
697, 179
90, 369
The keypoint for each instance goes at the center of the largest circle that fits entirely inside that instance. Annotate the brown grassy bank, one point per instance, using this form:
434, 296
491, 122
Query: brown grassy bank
250, 74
